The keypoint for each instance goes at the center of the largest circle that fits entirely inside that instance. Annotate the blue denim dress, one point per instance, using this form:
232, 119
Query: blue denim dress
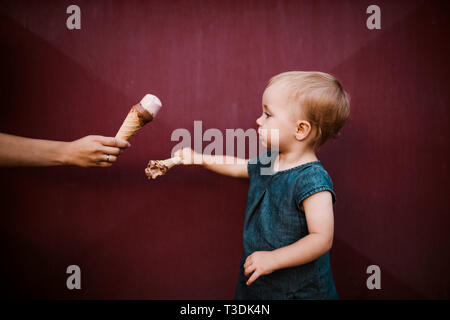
274, 219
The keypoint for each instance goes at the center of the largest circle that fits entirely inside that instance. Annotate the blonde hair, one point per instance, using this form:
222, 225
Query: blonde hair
321, 99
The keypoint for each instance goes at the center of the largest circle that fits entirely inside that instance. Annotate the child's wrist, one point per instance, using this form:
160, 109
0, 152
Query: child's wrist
275, 260
199, 159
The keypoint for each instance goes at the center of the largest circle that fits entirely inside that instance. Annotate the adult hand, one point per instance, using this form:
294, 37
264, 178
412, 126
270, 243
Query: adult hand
94, 151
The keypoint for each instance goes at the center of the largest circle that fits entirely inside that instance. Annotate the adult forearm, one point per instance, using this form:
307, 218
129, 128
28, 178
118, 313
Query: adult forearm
301, 252
20, 151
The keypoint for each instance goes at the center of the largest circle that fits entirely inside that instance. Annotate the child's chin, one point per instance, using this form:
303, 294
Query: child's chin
265, 144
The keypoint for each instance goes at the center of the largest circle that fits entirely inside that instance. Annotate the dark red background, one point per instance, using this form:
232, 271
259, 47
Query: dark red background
179, 237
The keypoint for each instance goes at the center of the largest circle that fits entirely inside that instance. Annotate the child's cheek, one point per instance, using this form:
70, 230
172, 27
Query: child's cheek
269, 138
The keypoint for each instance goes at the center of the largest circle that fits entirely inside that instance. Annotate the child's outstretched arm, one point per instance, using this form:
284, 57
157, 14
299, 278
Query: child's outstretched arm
226, 165
319, 216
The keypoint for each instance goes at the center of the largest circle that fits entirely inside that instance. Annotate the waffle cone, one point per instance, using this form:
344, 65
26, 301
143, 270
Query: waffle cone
169, 163
132, 123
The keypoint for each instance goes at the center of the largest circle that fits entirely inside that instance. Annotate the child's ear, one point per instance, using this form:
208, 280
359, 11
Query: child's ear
303, 129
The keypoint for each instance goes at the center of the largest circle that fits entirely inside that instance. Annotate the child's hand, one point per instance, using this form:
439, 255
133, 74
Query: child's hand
188, 156
259, 263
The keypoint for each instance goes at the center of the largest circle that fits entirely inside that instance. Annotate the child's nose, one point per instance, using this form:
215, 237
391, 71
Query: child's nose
258, 121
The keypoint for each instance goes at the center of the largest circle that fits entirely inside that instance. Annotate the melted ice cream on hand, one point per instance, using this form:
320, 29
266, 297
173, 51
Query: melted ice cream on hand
155, 168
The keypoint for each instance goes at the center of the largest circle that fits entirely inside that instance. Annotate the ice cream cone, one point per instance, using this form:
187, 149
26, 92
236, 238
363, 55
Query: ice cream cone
157, 168
139, 115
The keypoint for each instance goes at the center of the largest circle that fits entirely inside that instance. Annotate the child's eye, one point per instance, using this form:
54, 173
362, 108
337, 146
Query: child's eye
267, 115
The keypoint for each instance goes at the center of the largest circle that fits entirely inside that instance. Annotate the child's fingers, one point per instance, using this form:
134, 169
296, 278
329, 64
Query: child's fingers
249, 269
183, 154
188, 155
249, 259
254, 276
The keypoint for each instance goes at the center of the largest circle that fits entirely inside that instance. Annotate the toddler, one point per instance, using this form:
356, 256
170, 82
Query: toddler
289, 224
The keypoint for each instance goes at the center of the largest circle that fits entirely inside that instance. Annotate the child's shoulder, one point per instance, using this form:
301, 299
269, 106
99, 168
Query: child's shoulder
312, 179
311, 169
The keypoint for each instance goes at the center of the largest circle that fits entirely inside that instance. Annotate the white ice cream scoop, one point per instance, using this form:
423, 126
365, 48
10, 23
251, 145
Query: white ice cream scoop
140, 114
151, 103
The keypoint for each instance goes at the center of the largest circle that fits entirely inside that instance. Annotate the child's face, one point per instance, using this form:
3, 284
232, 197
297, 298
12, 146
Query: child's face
277, 114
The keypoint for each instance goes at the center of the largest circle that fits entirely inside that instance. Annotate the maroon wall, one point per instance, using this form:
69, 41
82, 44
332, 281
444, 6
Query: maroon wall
179, 237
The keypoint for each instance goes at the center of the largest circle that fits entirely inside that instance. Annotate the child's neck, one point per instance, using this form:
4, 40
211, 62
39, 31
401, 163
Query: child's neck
290, 159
